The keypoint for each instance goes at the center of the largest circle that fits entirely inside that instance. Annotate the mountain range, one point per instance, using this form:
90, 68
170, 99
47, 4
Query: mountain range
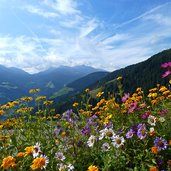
15, 83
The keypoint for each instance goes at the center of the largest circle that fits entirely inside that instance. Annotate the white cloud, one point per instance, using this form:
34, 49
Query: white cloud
40, 11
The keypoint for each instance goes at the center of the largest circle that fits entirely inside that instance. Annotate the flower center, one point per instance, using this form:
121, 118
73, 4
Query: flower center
118, 141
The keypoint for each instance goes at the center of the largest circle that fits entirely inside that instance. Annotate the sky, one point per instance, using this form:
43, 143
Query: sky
109, 34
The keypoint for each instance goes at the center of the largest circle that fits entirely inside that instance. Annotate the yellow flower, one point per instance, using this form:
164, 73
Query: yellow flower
40, 98
153, 168
169, 81
27, 99
34, 90
87, 90
29, 150
99, 94
75, 104
119, 78
39, 163
8, 162
48, 102
2, 112
92, 168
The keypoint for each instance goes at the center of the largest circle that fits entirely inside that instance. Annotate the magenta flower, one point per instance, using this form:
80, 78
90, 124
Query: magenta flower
133, 107
125, 97
165, 65
168, 72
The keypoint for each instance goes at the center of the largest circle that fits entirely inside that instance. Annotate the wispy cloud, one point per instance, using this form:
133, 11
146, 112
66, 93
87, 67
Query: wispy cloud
78, 38
40, 11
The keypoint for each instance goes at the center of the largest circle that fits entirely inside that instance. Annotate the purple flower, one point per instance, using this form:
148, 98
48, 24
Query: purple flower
86, 131
160, 143
70, 116
108, 125
92, 120
163, 112
130, 133
142, 132
125, 97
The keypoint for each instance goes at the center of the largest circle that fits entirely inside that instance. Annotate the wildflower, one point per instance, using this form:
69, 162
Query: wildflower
86, 130
161, 119
118, 141
105, 147
145, 115
75, 104
91, 141
169, 163
99, 94
152, 120
141, 133
165, 65
169, 81
48, 102
168, 72
107, 133
154, 150
2, 112
92, 168
20, 154
70, 167
29, 150
8, 162
160, 143
60, 156
36, 150
130, 134
40, 162
34, 90
169, 142
133, 107
40, 98
87, 90
119, 78
154, 168
125, 97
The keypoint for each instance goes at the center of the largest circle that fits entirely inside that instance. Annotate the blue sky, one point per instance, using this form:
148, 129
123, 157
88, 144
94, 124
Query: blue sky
108, 34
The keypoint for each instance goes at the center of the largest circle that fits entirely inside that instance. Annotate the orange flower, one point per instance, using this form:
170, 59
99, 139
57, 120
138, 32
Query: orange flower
8, 162
169, 142
20, 154
154, 168
92, 168
39, 163
154, 150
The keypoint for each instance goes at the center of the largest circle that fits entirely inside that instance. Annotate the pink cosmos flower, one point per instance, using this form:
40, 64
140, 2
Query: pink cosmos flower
168, 72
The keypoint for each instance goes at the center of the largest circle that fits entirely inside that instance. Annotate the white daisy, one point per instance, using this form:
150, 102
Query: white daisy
118, 141
107, 133
60, 156
105, 147
36, 150
162, 119
91, 141
152, 120
70, 167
